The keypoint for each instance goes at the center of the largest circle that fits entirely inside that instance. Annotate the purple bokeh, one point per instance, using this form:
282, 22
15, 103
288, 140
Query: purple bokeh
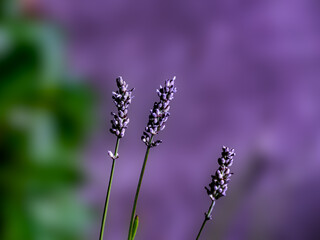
247, 77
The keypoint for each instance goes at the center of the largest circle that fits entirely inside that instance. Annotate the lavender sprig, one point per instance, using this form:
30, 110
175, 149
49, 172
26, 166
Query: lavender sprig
159, 113
220, 180
219, 183
158, 116
122, 99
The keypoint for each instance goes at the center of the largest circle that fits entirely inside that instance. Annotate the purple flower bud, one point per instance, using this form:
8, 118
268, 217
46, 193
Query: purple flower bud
110, 154
121, 114
229, 164
221, 161
156, 143
126, 122
122, 131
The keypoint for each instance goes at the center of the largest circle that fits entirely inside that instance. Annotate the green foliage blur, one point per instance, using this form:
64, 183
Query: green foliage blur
44, 117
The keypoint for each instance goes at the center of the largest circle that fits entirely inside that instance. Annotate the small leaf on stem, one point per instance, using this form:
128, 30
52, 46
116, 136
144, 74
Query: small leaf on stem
135, 226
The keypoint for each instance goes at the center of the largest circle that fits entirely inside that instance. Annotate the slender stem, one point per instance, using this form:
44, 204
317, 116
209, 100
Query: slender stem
106, 204
206, 218
138, 189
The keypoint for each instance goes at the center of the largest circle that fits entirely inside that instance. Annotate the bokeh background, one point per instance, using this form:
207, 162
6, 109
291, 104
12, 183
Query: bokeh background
247, 77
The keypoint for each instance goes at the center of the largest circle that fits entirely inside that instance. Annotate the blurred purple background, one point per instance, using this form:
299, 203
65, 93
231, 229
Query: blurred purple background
247, 77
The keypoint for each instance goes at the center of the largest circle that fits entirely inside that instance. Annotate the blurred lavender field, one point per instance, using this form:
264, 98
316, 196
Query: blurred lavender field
247, 77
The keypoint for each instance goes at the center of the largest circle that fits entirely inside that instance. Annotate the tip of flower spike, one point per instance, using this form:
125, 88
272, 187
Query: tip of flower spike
228, 152
120, 82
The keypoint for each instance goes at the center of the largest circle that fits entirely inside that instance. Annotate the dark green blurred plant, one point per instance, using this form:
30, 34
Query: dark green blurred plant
44, 115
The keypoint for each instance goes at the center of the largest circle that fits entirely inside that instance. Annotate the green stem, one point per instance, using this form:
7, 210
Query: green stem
106, 204
138, 189
206, 218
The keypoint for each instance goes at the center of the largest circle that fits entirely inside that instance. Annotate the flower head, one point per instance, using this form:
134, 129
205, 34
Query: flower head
220, 180
159, 113
122, 99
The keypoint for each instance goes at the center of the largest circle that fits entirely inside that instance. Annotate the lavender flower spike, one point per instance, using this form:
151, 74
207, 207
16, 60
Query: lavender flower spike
122, 99
159, 113
158, 116
220, 180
